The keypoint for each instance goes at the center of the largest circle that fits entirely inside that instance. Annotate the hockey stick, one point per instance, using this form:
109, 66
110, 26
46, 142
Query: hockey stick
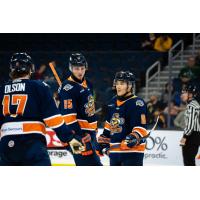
55, 73
155, 125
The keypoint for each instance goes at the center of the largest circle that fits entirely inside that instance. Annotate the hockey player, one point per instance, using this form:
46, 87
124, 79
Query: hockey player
26, 106
78, 108
125, 127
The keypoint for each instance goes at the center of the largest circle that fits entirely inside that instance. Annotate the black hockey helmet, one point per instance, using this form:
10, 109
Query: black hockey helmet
21, 63
77, 60
127, 76
191, 88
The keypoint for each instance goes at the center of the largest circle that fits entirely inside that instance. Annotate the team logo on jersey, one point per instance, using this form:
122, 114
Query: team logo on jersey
67, 87
90, 106
139, 103
116, 123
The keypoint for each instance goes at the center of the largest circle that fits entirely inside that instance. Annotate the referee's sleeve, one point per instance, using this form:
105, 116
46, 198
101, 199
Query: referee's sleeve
190, 121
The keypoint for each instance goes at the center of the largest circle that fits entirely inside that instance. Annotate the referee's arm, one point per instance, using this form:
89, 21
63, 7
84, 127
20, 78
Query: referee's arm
190, 121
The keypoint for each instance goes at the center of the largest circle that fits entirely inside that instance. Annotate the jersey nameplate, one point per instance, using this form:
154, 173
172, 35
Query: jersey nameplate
16, 87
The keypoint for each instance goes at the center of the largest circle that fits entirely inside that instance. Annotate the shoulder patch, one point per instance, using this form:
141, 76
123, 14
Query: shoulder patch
139, 103
67, 87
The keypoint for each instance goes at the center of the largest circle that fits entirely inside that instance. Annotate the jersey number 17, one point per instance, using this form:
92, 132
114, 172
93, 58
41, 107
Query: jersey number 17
16, 99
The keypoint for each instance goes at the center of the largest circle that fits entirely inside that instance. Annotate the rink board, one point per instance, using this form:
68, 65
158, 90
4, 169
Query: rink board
162, 149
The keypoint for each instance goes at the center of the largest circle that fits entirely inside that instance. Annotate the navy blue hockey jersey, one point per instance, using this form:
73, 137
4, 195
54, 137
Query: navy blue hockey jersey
77, 106
121, 118
26, 107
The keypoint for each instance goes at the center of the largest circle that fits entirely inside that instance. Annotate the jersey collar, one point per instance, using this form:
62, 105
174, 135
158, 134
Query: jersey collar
121, 101
82, 83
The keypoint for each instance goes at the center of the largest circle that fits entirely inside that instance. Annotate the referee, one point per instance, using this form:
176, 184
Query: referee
190, 141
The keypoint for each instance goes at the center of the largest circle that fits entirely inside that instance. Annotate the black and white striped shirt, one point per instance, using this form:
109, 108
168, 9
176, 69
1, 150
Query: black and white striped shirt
192, 117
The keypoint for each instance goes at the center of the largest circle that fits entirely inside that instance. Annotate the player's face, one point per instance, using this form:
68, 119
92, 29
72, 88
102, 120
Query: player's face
79, 72
184, 96
122, 88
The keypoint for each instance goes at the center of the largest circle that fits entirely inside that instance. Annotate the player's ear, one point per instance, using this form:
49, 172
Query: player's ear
31, 73
129, 88
133, 89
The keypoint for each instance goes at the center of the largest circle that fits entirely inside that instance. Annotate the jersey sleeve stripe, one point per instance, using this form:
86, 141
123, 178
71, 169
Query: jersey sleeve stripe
54, 122
70, 119
138, 148
141, 131
86, 125
52, 117
107, 126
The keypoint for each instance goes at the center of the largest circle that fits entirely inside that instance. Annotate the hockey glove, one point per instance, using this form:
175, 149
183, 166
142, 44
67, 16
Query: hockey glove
138, 135
76, 144
88, 149
103, 145
130, 141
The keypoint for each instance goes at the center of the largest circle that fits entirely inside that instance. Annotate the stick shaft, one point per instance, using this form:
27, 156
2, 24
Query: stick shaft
55, 74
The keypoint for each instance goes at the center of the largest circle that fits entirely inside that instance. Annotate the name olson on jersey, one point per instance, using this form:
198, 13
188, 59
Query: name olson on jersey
17, 87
